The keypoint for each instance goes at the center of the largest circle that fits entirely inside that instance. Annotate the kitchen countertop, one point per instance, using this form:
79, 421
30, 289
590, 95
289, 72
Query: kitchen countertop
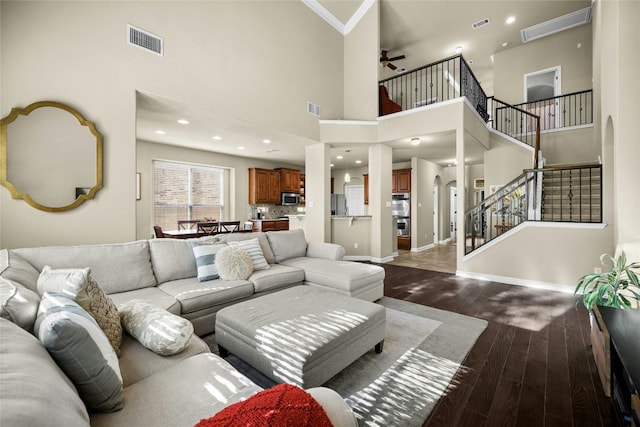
335, 216
269, 219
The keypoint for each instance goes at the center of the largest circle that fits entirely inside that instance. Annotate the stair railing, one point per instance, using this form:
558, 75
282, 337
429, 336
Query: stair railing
439, 81
573, 109
515, 123
509, 206
528, 197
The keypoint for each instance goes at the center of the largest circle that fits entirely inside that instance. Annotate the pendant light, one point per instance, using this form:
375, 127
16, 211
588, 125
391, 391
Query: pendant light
347, 177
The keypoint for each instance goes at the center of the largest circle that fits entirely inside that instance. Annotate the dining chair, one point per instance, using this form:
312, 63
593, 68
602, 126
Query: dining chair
188, 224
229, 226
207, 228
158, 232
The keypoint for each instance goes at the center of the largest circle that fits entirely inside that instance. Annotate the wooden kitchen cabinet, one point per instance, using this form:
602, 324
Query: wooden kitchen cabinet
401, 181
265, 225
289, 180
264, 186
366, 188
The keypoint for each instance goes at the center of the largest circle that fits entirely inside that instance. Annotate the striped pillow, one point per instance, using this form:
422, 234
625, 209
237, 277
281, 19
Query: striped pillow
205, 254
252, 246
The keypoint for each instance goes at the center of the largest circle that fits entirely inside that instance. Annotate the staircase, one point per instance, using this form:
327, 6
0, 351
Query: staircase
572, 194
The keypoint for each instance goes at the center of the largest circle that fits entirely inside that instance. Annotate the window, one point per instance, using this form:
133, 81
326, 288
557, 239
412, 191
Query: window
186, 191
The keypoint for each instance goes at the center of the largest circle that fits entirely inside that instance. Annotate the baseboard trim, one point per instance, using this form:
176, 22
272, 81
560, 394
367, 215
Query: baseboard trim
423, 248
549, 286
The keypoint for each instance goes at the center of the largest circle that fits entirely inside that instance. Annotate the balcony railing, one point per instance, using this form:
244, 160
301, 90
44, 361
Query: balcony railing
552, 194
574, 109
437, 82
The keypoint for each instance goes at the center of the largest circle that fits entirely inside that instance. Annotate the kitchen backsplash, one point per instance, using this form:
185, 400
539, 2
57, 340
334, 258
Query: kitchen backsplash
273, 211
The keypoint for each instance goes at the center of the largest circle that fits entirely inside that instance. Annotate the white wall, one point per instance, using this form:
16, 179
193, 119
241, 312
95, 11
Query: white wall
218, 55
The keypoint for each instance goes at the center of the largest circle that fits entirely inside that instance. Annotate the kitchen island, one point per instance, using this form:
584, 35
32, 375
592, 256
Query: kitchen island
270, 224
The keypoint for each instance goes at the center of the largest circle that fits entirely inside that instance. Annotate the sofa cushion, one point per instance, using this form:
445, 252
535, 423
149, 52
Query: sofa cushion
205, 256
252, 246
34, 388
194, 295
155, 328
234, 263
262, 239
278, 276
16, 268
153, 295
18, 304
117, 267
173, 259
280, 405
181, 395
287, 244
138, 362
346, 276
78, 345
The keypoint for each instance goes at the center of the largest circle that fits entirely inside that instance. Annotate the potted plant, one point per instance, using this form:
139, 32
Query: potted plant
615, 288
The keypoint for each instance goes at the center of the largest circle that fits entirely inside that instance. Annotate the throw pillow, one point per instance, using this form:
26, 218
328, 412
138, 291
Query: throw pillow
155, 328
287, 244
205, 254
252, 246
16, 268
279, 406
18, 304
81, 350
104, 310
71, 282
234, 263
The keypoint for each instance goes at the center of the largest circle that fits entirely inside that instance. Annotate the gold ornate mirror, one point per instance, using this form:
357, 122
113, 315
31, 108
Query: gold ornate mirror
50, 156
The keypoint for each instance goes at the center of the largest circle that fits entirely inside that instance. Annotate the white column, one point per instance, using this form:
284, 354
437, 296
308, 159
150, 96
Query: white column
318, 192
382, 231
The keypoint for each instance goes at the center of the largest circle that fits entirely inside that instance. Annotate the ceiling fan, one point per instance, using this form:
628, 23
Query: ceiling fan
385, 61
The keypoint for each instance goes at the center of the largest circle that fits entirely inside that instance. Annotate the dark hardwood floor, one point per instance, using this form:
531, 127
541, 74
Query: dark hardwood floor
532, 366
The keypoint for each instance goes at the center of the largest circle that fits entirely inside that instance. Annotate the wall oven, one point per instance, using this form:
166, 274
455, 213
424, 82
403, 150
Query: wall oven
289, 199
404, 226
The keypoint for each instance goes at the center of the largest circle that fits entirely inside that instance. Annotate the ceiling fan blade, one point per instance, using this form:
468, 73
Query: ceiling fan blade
396, 58
390, 65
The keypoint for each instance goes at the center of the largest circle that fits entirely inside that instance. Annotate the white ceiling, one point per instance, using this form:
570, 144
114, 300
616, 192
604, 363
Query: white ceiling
425, 31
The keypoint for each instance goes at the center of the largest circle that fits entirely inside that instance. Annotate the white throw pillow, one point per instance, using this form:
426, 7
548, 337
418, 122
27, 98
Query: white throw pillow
205, 254
155, 328
234, 263
18, 304
70, 282
252, 246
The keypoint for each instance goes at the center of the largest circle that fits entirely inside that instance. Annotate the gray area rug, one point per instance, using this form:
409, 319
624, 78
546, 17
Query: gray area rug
423, 349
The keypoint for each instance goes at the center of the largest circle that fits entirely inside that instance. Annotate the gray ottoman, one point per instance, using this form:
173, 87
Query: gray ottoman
302, 335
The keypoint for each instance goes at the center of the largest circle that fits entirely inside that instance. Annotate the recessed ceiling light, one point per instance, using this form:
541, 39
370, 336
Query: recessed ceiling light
183, 121
458, 49
241, 148
415, 141
217, 138
511, 20
358, 162
331, 165
160, 132
339, 157
266, 141
505, 44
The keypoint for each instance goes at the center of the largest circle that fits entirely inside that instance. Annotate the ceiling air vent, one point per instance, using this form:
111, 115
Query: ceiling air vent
479, 24
570, 20
313, 109
145, 40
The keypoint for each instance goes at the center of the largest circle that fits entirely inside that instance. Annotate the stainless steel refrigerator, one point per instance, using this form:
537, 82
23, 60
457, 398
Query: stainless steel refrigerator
338, 204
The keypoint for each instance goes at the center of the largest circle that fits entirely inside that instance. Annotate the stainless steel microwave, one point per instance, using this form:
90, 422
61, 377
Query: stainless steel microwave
289, 199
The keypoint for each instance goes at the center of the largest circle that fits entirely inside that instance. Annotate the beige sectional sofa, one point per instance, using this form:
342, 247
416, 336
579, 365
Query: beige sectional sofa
163, 390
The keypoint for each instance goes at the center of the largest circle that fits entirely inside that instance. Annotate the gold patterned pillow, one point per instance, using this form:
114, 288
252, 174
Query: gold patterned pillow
106, 313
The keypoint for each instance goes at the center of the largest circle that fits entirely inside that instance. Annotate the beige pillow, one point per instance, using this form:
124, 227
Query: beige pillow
104, 310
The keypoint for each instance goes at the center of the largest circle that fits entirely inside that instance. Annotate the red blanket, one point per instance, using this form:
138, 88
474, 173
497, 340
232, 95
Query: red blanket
284, 405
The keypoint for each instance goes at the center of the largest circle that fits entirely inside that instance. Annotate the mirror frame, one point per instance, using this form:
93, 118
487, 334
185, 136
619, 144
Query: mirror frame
13, 115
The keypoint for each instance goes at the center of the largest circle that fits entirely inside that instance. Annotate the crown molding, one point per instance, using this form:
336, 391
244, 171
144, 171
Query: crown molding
343, 29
